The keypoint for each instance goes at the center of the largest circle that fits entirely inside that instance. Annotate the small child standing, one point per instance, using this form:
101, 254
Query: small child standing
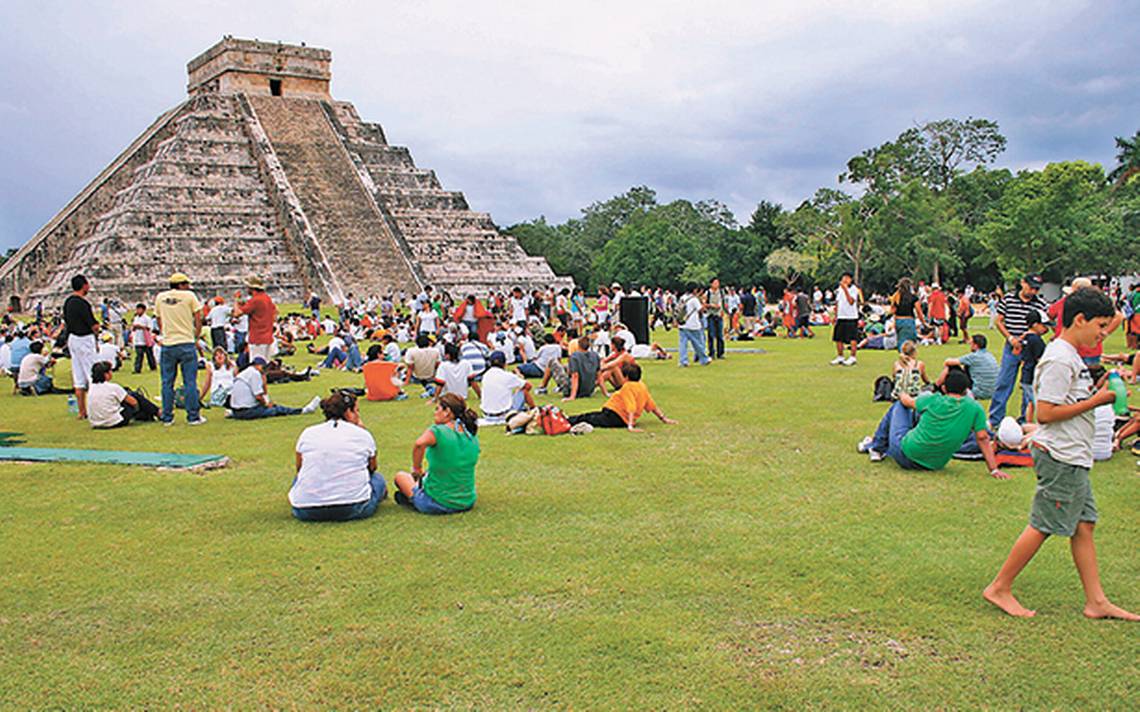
1033, 348
1062, 457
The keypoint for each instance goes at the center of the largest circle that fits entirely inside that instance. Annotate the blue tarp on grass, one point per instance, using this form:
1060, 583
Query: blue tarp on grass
108, 457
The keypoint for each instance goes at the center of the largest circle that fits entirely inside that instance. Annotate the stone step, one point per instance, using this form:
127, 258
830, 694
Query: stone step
356, 241
417, 179
188, 172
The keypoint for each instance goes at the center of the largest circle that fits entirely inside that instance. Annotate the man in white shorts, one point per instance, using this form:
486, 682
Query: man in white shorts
82, 329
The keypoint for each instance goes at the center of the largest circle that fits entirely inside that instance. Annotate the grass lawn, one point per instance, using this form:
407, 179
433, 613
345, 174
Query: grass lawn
745, 558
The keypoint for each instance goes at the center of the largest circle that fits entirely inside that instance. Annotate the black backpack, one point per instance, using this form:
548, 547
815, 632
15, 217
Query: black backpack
884, 386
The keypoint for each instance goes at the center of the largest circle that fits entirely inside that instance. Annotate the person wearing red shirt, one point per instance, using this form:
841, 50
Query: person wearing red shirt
262, 313
1089, 354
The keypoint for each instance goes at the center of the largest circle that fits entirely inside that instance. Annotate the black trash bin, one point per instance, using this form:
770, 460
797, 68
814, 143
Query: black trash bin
634, 312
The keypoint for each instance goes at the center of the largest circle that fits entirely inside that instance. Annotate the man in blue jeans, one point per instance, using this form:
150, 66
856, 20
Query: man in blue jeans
923, 433
714, 313
180, 322
1012, 321
689, 330
249, 400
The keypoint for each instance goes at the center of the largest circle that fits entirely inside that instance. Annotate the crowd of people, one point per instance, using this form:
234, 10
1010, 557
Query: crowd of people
500, 347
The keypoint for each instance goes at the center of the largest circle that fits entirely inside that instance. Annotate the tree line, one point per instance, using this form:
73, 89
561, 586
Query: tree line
928, 205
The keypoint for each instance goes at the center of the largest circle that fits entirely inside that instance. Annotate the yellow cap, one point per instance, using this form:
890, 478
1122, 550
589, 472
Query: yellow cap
179, 278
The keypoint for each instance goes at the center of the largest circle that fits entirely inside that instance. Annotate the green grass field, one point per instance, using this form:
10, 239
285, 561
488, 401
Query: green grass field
746, 558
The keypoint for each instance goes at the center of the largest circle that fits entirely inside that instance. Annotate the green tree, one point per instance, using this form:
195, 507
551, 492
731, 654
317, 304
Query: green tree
1127, 159
656, 247
1053, 221
790, 265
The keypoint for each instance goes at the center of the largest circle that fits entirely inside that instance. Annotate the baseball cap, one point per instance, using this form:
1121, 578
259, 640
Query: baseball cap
1034, 280
497, 358
259, 361
1009, 432
179, 278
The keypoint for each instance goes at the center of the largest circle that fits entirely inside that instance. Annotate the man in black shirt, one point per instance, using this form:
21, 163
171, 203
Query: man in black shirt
82, 330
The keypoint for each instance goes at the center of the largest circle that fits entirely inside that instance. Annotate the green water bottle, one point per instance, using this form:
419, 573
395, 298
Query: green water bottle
1116, 385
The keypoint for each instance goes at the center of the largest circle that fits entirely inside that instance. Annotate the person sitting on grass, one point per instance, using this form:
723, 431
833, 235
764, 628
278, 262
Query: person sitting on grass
611, 369
220, 375
539, 366
381, 377
503, 392
625, 406
422, 361
336, 476
583, 367
250, 401
452, 448
981, 366
454, 375
909, 372
33, 378
109, 405
924, 433
1063, 457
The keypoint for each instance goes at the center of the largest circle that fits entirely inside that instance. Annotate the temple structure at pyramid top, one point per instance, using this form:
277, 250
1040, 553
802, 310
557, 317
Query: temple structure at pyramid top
260, 171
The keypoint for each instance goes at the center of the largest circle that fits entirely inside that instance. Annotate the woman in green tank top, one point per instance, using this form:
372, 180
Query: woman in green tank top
452, 450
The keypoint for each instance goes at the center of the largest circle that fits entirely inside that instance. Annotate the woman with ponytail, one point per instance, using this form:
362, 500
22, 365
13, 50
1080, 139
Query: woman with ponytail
452, 450
336, 466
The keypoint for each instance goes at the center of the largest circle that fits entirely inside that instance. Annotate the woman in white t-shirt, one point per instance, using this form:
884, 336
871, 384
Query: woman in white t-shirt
426, 320
108, 404
220, 374
336, 466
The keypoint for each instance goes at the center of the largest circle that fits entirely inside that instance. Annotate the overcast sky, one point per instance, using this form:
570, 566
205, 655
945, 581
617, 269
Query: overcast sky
533, 110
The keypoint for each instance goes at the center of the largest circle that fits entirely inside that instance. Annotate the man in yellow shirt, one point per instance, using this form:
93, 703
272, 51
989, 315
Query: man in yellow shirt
180, 322
625, 406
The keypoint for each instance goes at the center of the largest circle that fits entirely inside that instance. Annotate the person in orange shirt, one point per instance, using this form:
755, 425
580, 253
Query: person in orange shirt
625, 406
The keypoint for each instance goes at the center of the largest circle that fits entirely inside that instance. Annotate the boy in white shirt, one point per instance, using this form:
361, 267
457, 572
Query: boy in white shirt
1063, 456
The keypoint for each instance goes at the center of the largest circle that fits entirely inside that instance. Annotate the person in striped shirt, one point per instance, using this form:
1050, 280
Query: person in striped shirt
1013, 321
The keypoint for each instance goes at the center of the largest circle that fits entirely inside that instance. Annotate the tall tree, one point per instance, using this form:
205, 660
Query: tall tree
1127, 159
790, 264
1054, 222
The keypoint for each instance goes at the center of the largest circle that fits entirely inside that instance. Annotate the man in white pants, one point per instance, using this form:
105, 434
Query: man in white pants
82, 330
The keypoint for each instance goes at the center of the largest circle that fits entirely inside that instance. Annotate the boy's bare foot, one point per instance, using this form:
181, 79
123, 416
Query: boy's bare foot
1005, 601
1109, 610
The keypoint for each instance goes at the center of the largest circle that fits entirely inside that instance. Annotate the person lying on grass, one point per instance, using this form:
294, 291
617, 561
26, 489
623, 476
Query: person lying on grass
1063, 456
625, 406
336, 476
923, 433
451, 445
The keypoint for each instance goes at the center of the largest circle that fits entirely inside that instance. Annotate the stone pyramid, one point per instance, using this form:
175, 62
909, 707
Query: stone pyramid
261, 172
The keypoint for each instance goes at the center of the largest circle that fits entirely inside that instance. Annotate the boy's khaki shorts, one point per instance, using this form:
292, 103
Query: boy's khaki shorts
1064, 496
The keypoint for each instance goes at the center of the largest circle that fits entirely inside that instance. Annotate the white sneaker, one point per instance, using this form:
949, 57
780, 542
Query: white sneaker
540, 391
312, 406
200, 421
837, 361
864, 444
875, 455
850, 361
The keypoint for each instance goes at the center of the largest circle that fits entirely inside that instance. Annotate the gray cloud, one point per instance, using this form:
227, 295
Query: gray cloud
533, 110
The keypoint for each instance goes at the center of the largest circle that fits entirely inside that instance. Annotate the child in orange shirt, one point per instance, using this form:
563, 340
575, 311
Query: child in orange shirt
625, 406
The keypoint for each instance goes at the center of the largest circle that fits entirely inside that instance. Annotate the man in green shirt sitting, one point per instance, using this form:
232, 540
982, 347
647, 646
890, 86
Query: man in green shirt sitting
923, 433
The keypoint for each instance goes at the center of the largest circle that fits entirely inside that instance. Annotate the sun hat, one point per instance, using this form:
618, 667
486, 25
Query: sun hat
254, 282
179, 278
